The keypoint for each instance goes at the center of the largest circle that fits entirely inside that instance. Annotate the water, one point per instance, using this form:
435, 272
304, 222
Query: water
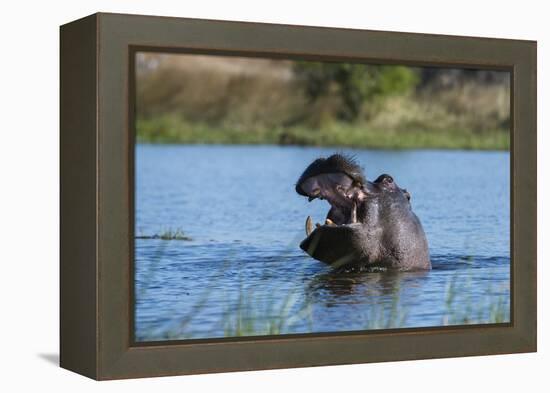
244, 274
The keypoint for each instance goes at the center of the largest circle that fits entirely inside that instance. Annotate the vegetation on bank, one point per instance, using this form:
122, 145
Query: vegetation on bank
169, 129
227, 100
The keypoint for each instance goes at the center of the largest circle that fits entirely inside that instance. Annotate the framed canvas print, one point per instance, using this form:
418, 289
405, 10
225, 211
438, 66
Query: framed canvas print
241, 196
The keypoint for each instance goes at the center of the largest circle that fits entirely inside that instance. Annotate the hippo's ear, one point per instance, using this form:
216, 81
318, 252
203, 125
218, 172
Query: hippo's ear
384, 179
406, 193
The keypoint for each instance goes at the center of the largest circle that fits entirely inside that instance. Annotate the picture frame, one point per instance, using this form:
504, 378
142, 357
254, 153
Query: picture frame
97, 190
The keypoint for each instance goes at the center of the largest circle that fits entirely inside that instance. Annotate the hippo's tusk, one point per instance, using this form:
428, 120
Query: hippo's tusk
328, 221
309, 226
354, 213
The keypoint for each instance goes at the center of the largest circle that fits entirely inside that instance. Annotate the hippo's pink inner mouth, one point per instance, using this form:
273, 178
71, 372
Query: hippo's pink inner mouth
340, 191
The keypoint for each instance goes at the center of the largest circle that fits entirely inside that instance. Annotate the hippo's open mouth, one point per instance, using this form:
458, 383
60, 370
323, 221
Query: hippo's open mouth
339, 181
340, 213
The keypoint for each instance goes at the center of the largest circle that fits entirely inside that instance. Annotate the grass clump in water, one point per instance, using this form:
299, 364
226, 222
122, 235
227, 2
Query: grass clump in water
167, 234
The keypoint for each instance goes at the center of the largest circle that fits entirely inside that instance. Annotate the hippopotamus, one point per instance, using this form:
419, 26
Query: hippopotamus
370, 225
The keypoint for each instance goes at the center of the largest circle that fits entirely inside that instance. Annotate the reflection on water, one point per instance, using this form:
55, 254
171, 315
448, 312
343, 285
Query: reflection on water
243, 273
356, 286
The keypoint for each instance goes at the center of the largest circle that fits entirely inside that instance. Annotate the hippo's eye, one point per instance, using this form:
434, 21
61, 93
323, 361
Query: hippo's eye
389, 179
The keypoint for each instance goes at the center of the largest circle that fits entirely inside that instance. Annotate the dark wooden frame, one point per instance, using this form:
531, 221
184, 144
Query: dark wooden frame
97, 144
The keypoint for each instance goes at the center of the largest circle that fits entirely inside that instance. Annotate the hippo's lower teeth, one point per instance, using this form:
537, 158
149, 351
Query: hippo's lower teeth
328, 221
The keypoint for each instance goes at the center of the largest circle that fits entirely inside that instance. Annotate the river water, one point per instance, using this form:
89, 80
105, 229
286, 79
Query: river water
243, 274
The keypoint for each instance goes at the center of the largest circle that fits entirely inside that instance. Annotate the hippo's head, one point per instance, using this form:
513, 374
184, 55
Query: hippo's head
368, 223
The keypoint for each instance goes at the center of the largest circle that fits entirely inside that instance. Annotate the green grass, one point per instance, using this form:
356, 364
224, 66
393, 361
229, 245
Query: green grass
492, 309
247, 320
269, 318
252, 316
172, 129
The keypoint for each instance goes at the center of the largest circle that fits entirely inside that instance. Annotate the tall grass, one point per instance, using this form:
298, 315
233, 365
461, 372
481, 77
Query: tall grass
251, 316
493, 309
271, 318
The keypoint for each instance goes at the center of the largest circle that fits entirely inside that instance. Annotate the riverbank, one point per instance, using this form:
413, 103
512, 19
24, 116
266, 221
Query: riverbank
171, 129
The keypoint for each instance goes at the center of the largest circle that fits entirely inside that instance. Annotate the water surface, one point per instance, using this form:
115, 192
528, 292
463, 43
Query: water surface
244, 274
